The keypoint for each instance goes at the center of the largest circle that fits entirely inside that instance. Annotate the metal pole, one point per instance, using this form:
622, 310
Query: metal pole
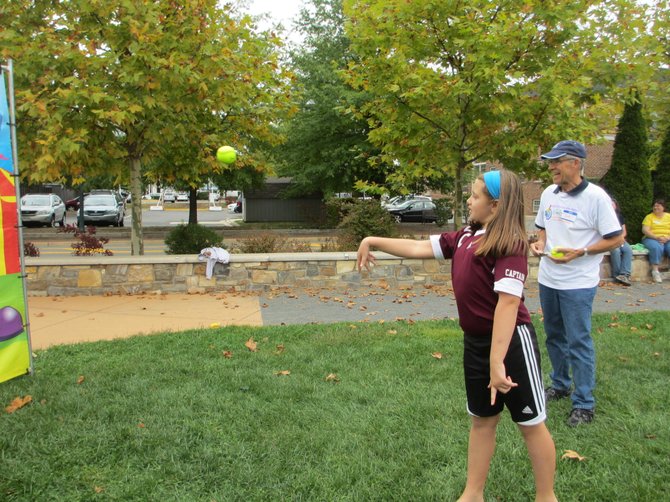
17, 184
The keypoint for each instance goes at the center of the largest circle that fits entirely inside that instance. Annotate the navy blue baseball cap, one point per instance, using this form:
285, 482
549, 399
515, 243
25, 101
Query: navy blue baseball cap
563, 148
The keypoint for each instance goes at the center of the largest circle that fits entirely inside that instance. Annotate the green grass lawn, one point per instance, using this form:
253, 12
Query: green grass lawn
169, 417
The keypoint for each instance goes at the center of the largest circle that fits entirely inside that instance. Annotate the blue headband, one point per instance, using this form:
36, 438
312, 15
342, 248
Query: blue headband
492, 182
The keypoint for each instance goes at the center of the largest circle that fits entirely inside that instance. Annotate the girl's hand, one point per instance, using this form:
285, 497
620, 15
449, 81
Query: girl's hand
500, 382
364, 258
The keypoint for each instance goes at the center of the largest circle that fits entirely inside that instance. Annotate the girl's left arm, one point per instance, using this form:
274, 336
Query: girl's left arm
504, 324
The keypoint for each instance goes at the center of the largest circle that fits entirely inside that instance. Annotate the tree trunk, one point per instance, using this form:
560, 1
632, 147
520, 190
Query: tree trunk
458, 196
136, 238
193, 206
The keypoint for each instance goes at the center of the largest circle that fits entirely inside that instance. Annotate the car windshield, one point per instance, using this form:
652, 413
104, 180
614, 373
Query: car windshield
38, 200
100, 200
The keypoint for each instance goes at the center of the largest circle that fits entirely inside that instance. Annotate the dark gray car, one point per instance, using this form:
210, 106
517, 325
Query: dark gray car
419, 210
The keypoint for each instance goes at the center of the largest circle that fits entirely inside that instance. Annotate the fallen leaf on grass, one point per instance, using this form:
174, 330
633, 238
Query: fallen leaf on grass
437, 355
572, 455
332, 377
623, 359
650, 436
649, 326
18, 403
215, 325
81, 379
392, 332
280, 348
613, 325
633, 328
657, 354
282, 373
251, 345
228, 354
141, 425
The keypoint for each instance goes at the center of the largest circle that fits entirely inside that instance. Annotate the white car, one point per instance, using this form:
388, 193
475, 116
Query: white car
182, 197
169, 197
43, 209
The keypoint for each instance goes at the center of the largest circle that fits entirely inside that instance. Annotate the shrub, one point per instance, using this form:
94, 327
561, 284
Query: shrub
191, 239
30, 249
366, 217
89, 244
261, 243
336, 210
630, 161
443, 211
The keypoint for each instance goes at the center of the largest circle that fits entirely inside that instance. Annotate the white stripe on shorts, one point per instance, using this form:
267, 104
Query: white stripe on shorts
533, 375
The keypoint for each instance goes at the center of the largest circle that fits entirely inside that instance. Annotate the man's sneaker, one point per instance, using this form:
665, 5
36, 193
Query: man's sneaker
552, 394
580, 416
656, 276
623, 279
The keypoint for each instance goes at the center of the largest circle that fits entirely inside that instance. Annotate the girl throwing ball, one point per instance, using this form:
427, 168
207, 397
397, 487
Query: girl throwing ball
501, 359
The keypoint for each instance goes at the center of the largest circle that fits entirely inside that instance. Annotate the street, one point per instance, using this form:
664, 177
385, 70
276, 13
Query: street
172, 215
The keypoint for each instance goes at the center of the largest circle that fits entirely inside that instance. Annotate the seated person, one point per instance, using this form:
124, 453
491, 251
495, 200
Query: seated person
656, 228
621, 258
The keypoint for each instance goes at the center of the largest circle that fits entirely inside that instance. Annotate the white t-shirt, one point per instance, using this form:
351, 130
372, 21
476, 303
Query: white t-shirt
575, 219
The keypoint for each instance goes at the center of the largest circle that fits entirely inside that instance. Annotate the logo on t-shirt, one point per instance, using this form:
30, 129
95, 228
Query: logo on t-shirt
547, 214
559, 213
515, 274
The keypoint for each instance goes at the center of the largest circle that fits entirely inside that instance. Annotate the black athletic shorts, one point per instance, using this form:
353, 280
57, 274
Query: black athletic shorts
522, 363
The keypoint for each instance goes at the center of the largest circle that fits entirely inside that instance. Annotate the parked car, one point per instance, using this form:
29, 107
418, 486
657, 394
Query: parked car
104, 209
235, 207
182, 197
42, 209
169, 196
403, 200
418, 210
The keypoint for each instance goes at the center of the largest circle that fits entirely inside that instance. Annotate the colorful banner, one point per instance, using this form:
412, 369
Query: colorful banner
14, 344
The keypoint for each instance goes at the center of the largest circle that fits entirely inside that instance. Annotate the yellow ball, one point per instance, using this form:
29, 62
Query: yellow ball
226, 155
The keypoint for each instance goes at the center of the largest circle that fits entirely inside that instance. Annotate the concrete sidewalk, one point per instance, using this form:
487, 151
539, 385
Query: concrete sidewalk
58, 320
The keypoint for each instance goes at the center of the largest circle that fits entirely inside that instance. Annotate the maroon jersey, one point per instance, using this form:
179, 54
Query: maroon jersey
477, 280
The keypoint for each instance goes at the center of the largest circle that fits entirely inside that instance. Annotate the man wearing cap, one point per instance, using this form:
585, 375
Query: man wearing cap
576, 223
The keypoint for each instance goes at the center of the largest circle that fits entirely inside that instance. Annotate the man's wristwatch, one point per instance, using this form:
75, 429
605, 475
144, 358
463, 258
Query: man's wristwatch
586, 251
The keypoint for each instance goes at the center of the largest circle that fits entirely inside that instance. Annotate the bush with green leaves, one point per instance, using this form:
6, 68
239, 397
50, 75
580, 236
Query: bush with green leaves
337, 209
443, 211
366, 217
190, 239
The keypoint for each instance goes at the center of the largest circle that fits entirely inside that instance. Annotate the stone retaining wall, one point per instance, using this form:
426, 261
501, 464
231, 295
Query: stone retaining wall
99, 275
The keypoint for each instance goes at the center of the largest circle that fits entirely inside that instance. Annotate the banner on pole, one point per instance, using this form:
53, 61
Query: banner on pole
14, 343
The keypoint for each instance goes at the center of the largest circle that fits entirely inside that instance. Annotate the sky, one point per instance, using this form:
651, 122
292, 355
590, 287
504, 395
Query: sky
283, 11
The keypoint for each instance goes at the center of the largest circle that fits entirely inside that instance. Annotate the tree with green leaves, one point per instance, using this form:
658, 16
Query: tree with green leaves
661, 176
456, 83
113, 86
629, 179
325, 150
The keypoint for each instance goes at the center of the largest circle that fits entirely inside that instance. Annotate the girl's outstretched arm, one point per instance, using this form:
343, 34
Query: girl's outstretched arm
405, 248
504, 324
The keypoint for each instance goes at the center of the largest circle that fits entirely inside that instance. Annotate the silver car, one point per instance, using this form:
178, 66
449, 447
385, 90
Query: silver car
42, 209
106, 209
